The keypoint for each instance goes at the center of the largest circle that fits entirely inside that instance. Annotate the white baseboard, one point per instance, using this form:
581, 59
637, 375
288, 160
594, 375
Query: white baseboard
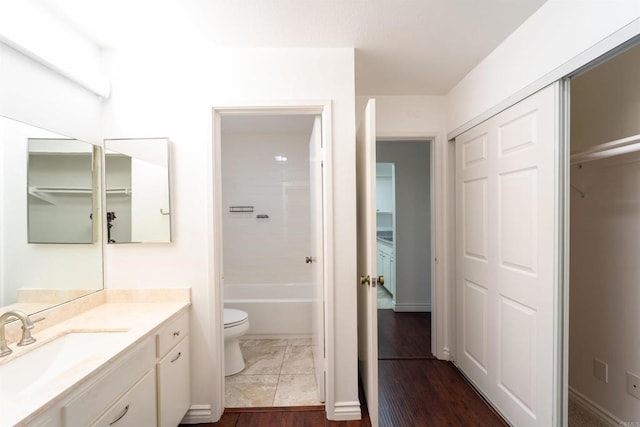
594, 409
198, 414
346, 411
411, 307
446, 354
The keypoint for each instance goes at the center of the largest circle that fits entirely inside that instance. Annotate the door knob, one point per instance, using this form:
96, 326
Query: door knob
381, 280
308, 260
365, 280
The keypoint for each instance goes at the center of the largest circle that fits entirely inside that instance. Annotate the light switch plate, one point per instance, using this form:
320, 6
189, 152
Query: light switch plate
633, 385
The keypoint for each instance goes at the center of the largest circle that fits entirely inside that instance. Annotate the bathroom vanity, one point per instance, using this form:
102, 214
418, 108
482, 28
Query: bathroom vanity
122, 360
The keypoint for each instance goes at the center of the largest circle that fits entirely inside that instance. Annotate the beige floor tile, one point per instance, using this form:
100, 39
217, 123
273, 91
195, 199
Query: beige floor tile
263, 343
296, 390
250, 390
276, 374
299, 341
262, 360
297, 360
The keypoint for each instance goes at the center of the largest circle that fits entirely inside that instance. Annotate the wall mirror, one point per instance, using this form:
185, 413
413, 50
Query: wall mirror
137, 187
40, 189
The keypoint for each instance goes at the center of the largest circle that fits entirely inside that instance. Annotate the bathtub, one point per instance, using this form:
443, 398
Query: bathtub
275, 310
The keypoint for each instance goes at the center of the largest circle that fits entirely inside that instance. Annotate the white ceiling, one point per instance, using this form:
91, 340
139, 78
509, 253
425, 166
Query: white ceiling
403, 47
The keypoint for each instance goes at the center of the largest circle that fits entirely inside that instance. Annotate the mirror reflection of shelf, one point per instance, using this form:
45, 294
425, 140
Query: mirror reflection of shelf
47, 194
121, 191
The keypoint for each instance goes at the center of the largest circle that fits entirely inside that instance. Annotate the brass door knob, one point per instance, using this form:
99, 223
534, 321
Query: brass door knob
365, 280
308, 260
381, 280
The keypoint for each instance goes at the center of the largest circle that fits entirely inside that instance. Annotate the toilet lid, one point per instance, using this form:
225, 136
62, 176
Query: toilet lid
233, 317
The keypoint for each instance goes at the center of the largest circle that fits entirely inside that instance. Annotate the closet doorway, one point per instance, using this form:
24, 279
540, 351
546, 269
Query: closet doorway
272, 250
604, 291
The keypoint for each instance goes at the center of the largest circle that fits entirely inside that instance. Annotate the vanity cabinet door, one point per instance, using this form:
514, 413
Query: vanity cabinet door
174, 385
136, 408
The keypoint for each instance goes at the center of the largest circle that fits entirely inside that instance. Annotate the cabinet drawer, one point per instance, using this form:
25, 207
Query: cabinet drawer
136, 408
110, 386
174, 385
172, 333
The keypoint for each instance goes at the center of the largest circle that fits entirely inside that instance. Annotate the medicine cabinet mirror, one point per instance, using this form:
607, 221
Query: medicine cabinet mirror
137, 186
61, 190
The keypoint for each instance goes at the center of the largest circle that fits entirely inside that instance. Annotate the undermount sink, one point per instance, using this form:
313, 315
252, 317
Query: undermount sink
35, 368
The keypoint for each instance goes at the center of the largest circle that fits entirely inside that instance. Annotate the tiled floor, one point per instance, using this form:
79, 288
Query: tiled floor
278, 372
384, 298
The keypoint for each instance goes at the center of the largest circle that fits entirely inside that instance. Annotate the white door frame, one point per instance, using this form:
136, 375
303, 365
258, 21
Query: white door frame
442, 263
215, 264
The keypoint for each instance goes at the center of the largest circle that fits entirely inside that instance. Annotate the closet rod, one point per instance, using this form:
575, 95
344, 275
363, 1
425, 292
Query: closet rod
608, 149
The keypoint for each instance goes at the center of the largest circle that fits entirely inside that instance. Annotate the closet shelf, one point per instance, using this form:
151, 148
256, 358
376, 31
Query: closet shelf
46, 193
119, 190
608, 149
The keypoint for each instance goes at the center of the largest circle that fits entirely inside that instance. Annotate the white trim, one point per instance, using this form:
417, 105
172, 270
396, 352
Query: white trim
408, 307
444, 301
197, 414
216, 296
346, 411
606, 45
594, 409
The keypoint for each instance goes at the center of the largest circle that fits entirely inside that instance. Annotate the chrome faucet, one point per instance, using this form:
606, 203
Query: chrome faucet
27, 325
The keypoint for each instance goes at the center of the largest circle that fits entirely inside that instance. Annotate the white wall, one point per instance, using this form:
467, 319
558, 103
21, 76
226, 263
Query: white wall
167, 85
266, 250
413, 221
406, 116
559, 31
32, 93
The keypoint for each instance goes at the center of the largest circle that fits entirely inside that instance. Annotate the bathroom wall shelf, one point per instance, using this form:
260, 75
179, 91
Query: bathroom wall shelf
240, 209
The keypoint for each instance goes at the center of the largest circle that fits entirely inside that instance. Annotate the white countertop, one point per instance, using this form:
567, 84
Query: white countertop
140, 320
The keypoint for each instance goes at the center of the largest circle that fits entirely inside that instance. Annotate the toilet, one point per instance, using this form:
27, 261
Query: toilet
236, 324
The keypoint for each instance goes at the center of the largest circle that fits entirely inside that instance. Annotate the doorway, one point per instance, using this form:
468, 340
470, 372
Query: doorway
604, 344
271, 245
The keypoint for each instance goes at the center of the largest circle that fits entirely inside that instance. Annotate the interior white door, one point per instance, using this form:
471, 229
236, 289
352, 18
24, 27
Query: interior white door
316, 257
507, 243
367, 256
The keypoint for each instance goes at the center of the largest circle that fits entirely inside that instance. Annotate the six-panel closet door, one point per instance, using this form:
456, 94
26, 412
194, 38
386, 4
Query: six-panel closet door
507, 243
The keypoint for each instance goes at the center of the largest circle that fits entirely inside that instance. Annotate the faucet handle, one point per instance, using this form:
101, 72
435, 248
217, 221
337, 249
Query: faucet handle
27, 326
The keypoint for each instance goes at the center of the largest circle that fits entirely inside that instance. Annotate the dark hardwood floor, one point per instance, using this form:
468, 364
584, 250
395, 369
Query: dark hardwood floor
404, 335
416, 390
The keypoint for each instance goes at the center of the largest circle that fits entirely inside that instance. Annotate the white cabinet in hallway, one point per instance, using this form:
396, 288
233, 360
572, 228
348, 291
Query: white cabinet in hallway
386, 265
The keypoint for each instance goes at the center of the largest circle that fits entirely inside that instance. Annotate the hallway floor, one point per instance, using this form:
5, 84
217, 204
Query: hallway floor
278, 372
415, 389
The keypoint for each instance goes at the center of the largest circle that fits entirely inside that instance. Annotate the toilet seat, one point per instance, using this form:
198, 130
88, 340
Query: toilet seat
233, 317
